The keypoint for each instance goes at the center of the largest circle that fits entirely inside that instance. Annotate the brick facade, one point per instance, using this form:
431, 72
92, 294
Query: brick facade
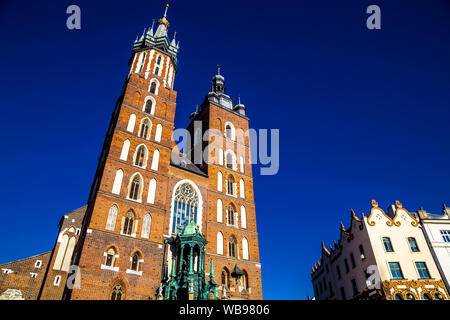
117, 251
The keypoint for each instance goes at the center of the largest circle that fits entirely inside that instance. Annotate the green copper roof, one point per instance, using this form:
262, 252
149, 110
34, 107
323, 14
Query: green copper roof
190, 229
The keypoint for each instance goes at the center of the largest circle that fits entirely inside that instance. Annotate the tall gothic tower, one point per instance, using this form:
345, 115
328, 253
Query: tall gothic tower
144, 194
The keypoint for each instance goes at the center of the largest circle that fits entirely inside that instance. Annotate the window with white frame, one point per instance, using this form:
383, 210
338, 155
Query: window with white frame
128, 224
141, 156
149, 106
445, 235
110, 258
232, 247
135, 188
231, 186
154, 86
136, 262
230, 132
33, 275
38, 264
230, 160
145, 128
231, 216
186, 203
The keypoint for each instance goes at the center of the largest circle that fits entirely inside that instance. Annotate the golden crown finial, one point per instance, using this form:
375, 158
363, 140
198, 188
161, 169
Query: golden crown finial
164, 20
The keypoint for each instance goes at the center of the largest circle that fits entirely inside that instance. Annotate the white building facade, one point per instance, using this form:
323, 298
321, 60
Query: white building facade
437, 233
381, 256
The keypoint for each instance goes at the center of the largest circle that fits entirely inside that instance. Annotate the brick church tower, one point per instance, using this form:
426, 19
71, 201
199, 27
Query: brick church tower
145, 191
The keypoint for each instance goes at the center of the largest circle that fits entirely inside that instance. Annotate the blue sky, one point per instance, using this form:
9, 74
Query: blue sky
362, 114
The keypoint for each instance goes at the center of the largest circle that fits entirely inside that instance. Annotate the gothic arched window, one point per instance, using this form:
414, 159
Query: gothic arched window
135, 263
232, 247
153, 87
128, 224
148, 106
110, 257
231, 215
225, 281
230, 185
229, 131
117, 292
185, 206
135, 188
140, 156
144, 132
229, 160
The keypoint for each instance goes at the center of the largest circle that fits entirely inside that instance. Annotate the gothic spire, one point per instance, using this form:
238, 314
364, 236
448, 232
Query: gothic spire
163, 25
